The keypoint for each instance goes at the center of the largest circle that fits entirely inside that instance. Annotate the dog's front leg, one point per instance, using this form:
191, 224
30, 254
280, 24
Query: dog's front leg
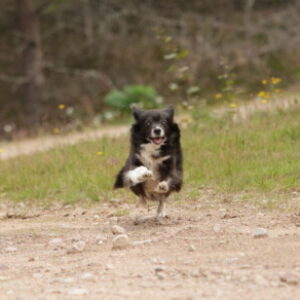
138, 175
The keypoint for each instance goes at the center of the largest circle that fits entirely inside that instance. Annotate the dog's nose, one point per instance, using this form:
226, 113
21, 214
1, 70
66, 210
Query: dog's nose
157, 131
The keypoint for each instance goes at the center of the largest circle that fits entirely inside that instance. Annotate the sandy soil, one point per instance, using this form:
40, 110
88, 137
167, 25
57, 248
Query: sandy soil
202, 251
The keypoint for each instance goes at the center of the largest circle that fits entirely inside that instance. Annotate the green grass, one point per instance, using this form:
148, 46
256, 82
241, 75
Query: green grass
259, 155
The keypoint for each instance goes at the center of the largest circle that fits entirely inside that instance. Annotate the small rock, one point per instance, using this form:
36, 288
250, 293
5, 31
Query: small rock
76, 247
32, 259
68, 280
87, 276
160, 273
143, 242
109, 267
55, 242
121, 241
157, 261
290, 278
217, 228
100, 239
116, 229
192, 248
260, 233
10, 250
77, 291
160, 269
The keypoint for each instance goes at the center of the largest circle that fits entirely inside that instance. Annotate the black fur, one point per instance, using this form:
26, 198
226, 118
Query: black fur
171, 168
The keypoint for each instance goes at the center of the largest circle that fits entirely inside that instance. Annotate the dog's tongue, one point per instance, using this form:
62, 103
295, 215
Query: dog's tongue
157, 140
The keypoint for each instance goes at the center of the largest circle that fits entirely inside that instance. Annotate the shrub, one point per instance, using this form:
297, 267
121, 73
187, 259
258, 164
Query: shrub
143, 95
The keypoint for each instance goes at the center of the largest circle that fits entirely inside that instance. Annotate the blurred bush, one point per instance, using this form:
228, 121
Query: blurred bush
214, 50
122, 100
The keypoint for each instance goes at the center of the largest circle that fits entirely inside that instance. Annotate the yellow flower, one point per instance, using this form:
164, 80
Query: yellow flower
278, 90
264, 101
264, 81
1, 150
218, 96
233, 105
55, 130
61, 106
275, 80
99, 153
261, 94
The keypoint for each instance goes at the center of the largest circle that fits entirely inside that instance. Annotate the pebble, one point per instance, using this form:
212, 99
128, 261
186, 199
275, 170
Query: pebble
121, 241
160, 272
56, 242
109, 267
10, 250
116, 229
290, 278
217, 228
87, 276
77, 291
76, 247
100, 239
192, 248
260, 233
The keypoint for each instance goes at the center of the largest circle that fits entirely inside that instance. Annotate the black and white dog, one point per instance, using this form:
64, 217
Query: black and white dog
153, 169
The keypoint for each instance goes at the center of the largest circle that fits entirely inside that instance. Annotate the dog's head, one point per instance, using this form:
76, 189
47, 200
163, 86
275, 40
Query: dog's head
154, 125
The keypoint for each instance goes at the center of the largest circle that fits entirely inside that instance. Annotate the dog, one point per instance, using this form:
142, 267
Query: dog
153, 169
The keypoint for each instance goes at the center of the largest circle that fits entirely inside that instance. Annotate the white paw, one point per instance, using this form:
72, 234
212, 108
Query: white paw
139, 174
145, 175
162, 187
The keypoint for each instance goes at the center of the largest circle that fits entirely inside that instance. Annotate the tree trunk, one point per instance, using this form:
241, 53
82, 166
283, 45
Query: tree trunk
88, 21
32, 58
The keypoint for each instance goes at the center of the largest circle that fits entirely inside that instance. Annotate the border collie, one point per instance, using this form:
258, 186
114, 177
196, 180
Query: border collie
153, 169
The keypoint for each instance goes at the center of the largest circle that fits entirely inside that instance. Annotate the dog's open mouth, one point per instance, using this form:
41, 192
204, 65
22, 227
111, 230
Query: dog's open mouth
157, 140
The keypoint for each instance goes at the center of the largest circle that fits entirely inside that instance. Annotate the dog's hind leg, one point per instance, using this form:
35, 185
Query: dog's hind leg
144, 203
161, 213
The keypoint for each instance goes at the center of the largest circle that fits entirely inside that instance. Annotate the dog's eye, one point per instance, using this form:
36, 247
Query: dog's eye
148, 123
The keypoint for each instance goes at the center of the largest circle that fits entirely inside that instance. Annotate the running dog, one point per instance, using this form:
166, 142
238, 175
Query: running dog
153, 169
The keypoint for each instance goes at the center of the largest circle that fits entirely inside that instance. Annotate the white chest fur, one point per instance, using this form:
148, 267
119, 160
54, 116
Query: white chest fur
149, 155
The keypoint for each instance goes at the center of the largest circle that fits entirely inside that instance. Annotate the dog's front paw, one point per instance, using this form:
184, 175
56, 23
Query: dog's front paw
139, 174
162, 187
145, 175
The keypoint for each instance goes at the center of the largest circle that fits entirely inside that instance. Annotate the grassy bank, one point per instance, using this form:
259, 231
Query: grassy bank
260, 155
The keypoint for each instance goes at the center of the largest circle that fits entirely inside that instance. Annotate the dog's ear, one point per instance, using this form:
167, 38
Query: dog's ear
170, 112
136, 112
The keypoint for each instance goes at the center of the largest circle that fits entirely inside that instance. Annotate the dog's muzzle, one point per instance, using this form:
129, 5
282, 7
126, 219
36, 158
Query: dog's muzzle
157, 135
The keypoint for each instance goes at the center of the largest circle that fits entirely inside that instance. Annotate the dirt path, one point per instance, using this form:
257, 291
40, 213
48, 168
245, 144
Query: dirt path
202, 251
10, 150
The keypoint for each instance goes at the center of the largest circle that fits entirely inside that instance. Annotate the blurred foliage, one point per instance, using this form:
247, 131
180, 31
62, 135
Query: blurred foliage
122, 100
191, 52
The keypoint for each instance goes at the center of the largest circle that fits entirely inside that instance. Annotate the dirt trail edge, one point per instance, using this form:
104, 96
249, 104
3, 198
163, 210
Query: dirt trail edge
40, 144
206, 251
